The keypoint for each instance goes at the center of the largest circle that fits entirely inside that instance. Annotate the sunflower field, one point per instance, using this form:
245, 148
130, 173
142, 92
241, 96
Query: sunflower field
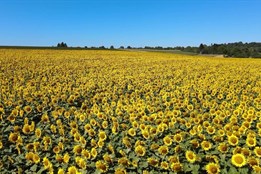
84, 111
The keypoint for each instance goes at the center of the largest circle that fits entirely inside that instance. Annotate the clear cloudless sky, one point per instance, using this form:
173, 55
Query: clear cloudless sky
129, 22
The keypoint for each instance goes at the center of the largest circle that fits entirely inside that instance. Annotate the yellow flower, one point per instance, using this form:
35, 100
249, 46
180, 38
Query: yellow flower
167, 140
101, 166
233, 140
163, 150
253, 161
123, 161
66, 158
47, 164
223, 148
238, 160
164, 165
28, 109
60, 171
206, 145
212, 168
256, 169
13, 137
120, 171
26, 129
77, 149
102, 136
38, 132
132, 132
94, 153
178, 138
140, 150
153, 161
176, 167
251, 142
191, 156
257, 151
72, 170
36, 158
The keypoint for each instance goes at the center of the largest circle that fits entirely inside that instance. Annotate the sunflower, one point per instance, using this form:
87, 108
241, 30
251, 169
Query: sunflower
107, 158
13, 137
28, 109
26, 129
77, 149
36, 158
140, 150
253, 161
126, 142
123, 161
145, 134
206, 145
212, 168
153, 161
120, 170
45, 118
178, 138
164, 165
233, 140
257, 151
94, 153
105, 124
29, 156
66, 158
60, 171
245, 151
102, 136
163, 150
80, 162
195, 143
11, 118
176, 167
251, 141
223, 148
72, 170
38, 132
238, 160
101, 166
211, 130
46, 163
59, 158
256, 169
167, 140
191, 156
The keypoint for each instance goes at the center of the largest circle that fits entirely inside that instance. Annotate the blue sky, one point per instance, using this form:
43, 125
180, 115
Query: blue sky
129, 22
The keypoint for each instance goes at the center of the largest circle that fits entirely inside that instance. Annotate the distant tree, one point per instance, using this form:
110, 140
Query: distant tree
62, 45
201, 48
102, 47
85, 47
129, 47
112, 47
121, 47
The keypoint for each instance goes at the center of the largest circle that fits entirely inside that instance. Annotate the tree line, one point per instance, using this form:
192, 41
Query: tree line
237, 49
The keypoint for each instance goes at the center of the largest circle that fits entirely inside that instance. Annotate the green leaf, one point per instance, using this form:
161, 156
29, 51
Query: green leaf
233, 170
243, 170
41, 170
34, 168
143, 164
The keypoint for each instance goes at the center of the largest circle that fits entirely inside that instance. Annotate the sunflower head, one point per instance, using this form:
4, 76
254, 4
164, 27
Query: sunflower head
101, 166
176, 167
257, 151
191, 156
140, 150
212, 168
163, 150
233, 140
238, 160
